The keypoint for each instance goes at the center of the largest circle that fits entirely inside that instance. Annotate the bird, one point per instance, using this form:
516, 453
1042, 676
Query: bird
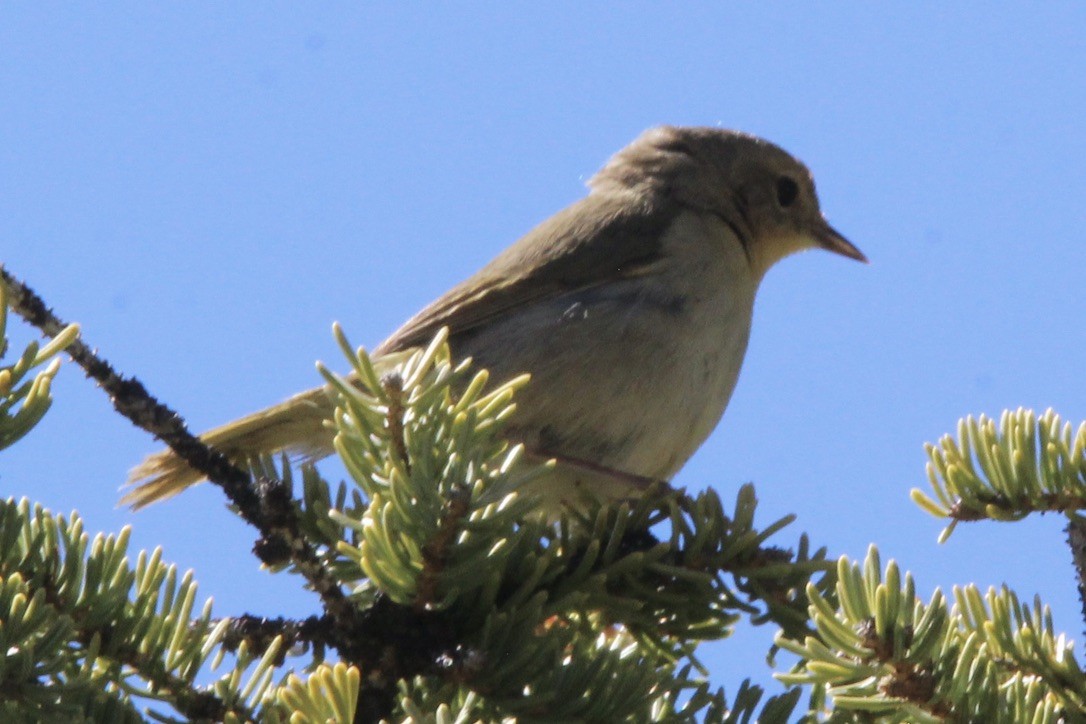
630, 310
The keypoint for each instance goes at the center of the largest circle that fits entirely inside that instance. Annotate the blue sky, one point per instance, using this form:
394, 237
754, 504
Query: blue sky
206, 187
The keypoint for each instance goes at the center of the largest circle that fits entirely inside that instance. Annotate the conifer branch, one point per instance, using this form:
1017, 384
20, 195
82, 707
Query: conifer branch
1027, 465
271, 514
885, 653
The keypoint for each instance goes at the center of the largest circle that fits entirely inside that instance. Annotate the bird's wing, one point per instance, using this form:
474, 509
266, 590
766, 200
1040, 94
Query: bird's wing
598, 239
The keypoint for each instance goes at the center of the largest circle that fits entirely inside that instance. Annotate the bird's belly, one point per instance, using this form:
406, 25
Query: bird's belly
622, 377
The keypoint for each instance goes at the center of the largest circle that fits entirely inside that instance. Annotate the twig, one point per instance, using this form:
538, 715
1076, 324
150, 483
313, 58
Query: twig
1076, 539
392, 384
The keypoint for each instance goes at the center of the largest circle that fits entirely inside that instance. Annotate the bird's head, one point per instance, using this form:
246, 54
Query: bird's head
761, 191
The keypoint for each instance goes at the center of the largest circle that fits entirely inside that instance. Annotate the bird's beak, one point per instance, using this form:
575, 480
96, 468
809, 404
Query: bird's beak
828, 238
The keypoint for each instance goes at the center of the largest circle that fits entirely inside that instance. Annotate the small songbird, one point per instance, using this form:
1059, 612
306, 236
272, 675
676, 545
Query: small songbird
630, 309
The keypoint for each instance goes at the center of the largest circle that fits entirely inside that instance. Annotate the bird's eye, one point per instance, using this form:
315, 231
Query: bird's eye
787, 191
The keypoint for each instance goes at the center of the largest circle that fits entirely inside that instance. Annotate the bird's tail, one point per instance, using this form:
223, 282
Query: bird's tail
296, 426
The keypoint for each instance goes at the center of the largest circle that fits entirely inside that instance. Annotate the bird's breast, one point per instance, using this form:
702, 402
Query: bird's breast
633, 373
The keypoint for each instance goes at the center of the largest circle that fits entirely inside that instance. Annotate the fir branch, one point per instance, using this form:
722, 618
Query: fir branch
884, 653
270, 514
104, 623
1025, 465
